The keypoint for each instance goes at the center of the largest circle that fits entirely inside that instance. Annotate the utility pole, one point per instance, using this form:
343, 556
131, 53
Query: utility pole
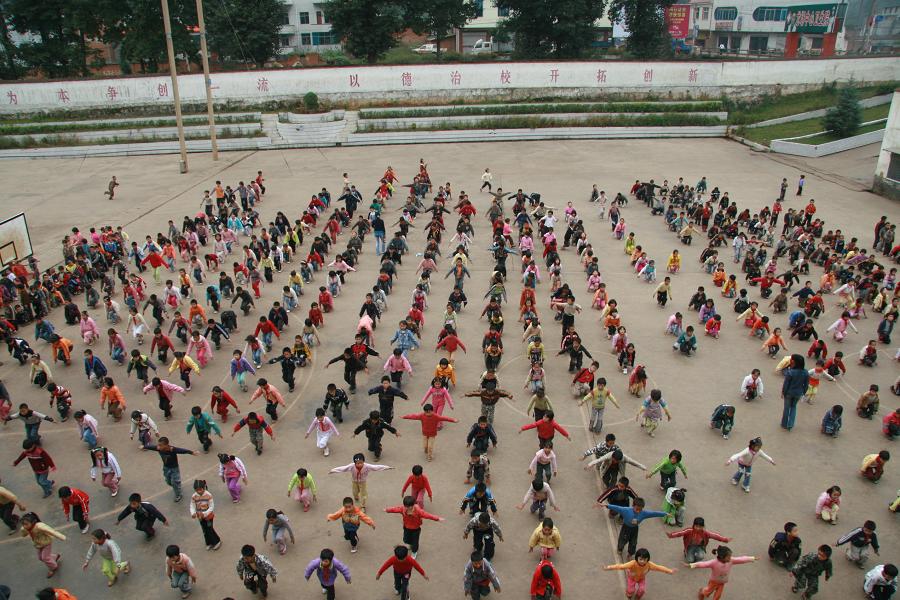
207, 82
173, 72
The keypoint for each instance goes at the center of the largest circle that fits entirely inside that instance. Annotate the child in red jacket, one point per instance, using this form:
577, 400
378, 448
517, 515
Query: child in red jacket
430, 421
545, 583
546, 428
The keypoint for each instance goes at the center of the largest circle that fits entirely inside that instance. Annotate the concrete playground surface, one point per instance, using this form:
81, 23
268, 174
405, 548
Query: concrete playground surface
59, 194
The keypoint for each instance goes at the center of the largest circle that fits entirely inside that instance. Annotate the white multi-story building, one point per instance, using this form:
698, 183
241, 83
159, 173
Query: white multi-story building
759, 26
306, 29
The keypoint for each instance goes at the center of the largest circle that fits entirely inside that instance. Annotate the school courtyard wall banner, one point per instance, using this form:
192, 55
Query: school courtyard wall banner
439, 80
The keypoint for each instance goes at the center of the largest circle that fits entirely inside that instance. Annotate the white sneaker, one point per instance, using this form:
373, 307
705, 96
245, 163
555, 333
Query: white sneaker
327, 451
114, 494
88, 528
414, 554
746, 489
353, 549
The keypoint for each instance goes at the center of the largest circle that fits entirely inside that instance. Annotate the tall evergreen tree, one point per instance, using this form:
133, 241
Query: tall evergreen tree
367, 28
439, 17
646, 24
543, 28
244, 30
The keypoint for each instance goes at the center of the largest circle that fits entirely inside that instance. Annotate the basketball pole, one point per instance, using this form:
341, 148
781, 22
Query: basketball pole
207, 83
173, 72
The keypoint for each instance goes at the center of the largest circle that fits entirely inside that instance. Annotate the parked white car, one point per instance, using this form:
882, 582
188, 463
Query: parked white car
483, 47
426, 49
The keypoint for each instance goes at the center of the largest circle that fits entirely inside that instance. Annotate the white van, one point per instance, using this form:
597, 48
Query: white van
484, 47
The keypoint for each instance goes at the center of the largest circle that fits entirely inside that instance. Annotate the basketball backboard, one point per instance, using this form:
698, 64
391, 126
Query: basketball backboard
15, 243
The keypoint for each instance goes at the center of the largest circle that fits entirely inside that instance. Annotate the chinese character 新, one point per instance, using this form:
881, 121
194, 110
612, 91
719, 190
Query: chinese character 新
112, 92
406, 79
262, 84
354, 81
13, 98
601, 75
504, 76
62, 95
554, 75
692, 76
162, 89
648, 75
455, 78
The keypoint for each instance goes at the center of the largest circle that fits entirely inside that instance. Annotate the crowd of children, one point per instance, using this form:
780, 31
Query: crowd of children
229, 229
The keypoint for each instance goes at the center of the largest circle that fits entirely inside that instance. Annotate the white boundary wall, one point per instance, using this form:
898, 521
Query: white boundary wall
788, 146
677, 79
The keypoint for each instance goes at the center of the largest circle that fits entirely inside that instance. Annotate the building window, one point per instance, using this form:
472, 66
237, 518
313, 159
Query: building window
770, 14
502, 11
285, 40
304, 18
705, 13
320, 18
323, 38
479, 8
816, 43
726, 14
759, 43
285, 18
723, 42
305, 39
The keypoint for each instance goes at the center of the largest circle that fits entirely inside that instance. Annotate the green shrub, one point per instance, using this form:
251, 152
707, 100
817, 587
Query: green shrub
311, 101
845, 118
335, 58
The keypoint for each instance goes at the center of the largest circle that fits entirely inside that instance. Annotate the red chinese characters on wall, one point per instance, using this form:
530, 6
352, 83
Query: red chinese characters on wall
455, 78
354, 80
554, 75
601, 75
692, 76
62, 95
13, 97
162, 90
262, 84
648, 75
406, 79
505, 76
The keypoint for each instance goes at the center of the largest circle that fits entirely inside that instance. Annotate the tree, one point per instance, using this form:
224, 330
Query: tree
244, 30
560, 28
439, 17
142, 37
646, 24
368, 28
845, 118
58, 32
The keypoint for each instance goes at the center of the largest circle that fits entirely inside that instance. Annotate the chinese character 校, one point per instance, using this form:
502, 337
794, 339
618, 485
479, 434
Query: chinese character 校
406, 79
62, 95
554, 75
354, 81
13, 98
162, 89
262, 84
504, 76
112, 92
455, 78
648, 75
601, 75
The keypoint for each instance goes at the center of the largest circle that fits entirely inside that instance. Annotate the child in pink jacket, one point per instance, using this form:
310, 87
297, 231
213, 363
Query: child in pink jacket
438, 396
720, 567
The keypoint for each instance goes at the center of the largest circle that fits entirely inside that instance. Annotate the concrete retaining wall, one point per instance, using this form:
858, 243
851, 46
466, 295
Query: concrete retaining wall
788, 146
510, 79
550, 133
372, 113
149, 132
427, 122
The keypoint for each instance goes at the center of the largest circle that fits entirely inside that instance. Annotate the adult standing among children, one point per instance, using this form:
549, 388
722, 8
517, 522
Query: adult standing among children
796, 382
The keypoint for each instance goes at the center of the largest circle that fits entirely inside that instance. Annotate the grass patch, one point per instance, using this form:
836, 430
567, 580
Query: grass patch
56, 141
674, 120
833, 137
765, 135
773, 107
457, 111
73, 127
